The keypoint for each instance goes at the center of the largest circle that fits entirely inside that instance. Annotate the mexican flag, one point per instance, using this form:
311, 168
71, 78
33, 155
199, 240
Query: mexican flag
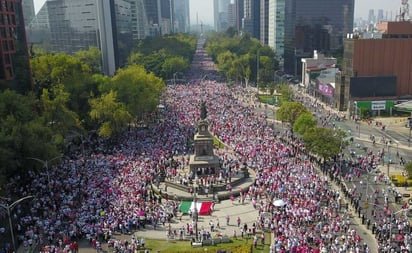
204, 208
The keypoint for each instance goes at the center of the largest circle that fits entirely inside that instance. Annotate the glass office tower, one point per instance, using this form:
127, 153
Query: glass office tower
312, 25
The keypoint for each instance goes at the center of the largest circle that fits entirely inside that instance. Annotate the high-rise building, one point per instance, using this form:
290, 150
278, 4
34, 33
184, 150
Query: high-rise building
153, 16
181, 16
380, 16
232, 15
276, 29
14, 57
139, 19
220, 11
75, 25
239, 13
251, 18
167, 17
264, 21
371, 16
28, 11
376, 69
307, 26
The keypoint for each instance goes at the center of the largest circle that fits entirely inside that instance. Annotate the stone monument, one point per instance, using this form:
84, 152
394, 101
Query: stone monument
204, 162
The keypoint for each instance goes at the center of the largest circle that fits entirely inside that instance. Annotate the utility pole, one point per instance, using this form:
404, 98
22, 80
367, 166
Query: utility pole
257, 71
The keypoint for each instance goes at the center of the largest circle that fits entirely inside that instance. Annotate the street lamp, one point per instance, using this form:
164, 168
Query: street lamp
8, 208
174, 78
389, 161
390, 224
195, 211
46, 165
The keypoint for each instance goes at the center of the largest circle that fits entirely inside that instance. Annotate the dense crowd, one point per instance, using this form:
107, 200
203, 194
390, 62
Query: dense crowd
109, 189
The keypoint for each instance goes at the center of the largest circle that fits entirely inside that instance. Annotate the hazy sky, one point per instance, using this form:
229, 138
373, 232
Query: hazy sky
204, 8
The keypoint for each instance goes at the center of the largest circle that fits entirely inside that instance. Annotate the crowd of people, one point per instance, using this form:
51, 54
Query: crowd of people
94, 194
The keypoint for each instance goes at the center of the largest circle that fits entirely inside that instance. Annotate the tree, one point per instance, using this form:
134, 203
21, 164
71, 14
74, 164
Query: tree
241, 67
225, 64
408, 168
286, 94
56, 114
110, 115
22, 134
304, 122
71, 73
324, 142
154, 54
173, 65
53, 69
137, 90
290, 112
91, 58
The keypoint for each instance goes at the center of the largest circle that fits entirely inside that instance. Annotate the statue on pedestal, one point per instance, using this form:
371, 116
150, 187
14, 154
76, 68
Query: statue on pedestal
203, 110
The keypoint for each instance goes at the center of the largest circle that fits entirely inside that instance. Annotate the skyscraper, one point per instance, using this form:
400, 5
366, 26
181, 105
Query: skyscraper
220, 11
14, 58
307, 26
276, 28
75, 25
181, 16
371, 16
28, 11
251, 18
264, 21
153, 16
139, 19
380, 16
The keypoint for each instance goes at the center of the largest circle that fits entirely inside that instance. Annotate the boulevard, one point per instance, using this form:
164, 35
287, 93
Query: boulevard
114, 196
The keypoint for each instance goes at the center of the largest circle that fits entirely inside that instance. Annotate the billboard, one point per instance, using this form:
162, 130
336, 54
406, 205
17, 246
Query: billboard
326, 90
372, 86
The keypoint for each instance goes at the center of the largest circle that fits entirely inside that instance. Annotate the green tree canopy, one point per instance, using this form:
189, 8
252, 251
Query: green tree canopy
290, 112
91, 58
408, 168
304, 122
324, 142
22, 134
173, 65
242, 46
109, 114
158, 54
138, 90
286, 94
56, 114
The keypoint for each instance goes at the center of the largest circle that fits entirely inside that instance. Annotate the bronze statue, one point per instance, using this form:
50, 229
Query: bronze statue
203, 110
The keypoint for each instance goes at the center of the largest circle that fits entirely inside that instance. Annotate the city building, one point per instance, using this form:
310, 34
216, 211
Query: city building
232, 15
14, 57
276, 29
140, 25
251, 18
73, 25
313, 25
166, 17
264, 22
239, 13
153, 15
371, 17
181, 16
28, 11
220, 12
376, 70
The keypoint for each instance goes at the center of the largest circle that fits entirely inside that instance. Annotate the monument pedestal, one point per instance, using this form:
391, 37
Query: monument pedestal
204, 162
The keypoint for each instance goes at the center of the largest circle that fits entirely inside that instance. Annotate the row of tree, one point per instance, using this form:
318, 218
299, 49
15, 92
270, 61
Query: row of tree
324, 142
242, 58
71, 99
